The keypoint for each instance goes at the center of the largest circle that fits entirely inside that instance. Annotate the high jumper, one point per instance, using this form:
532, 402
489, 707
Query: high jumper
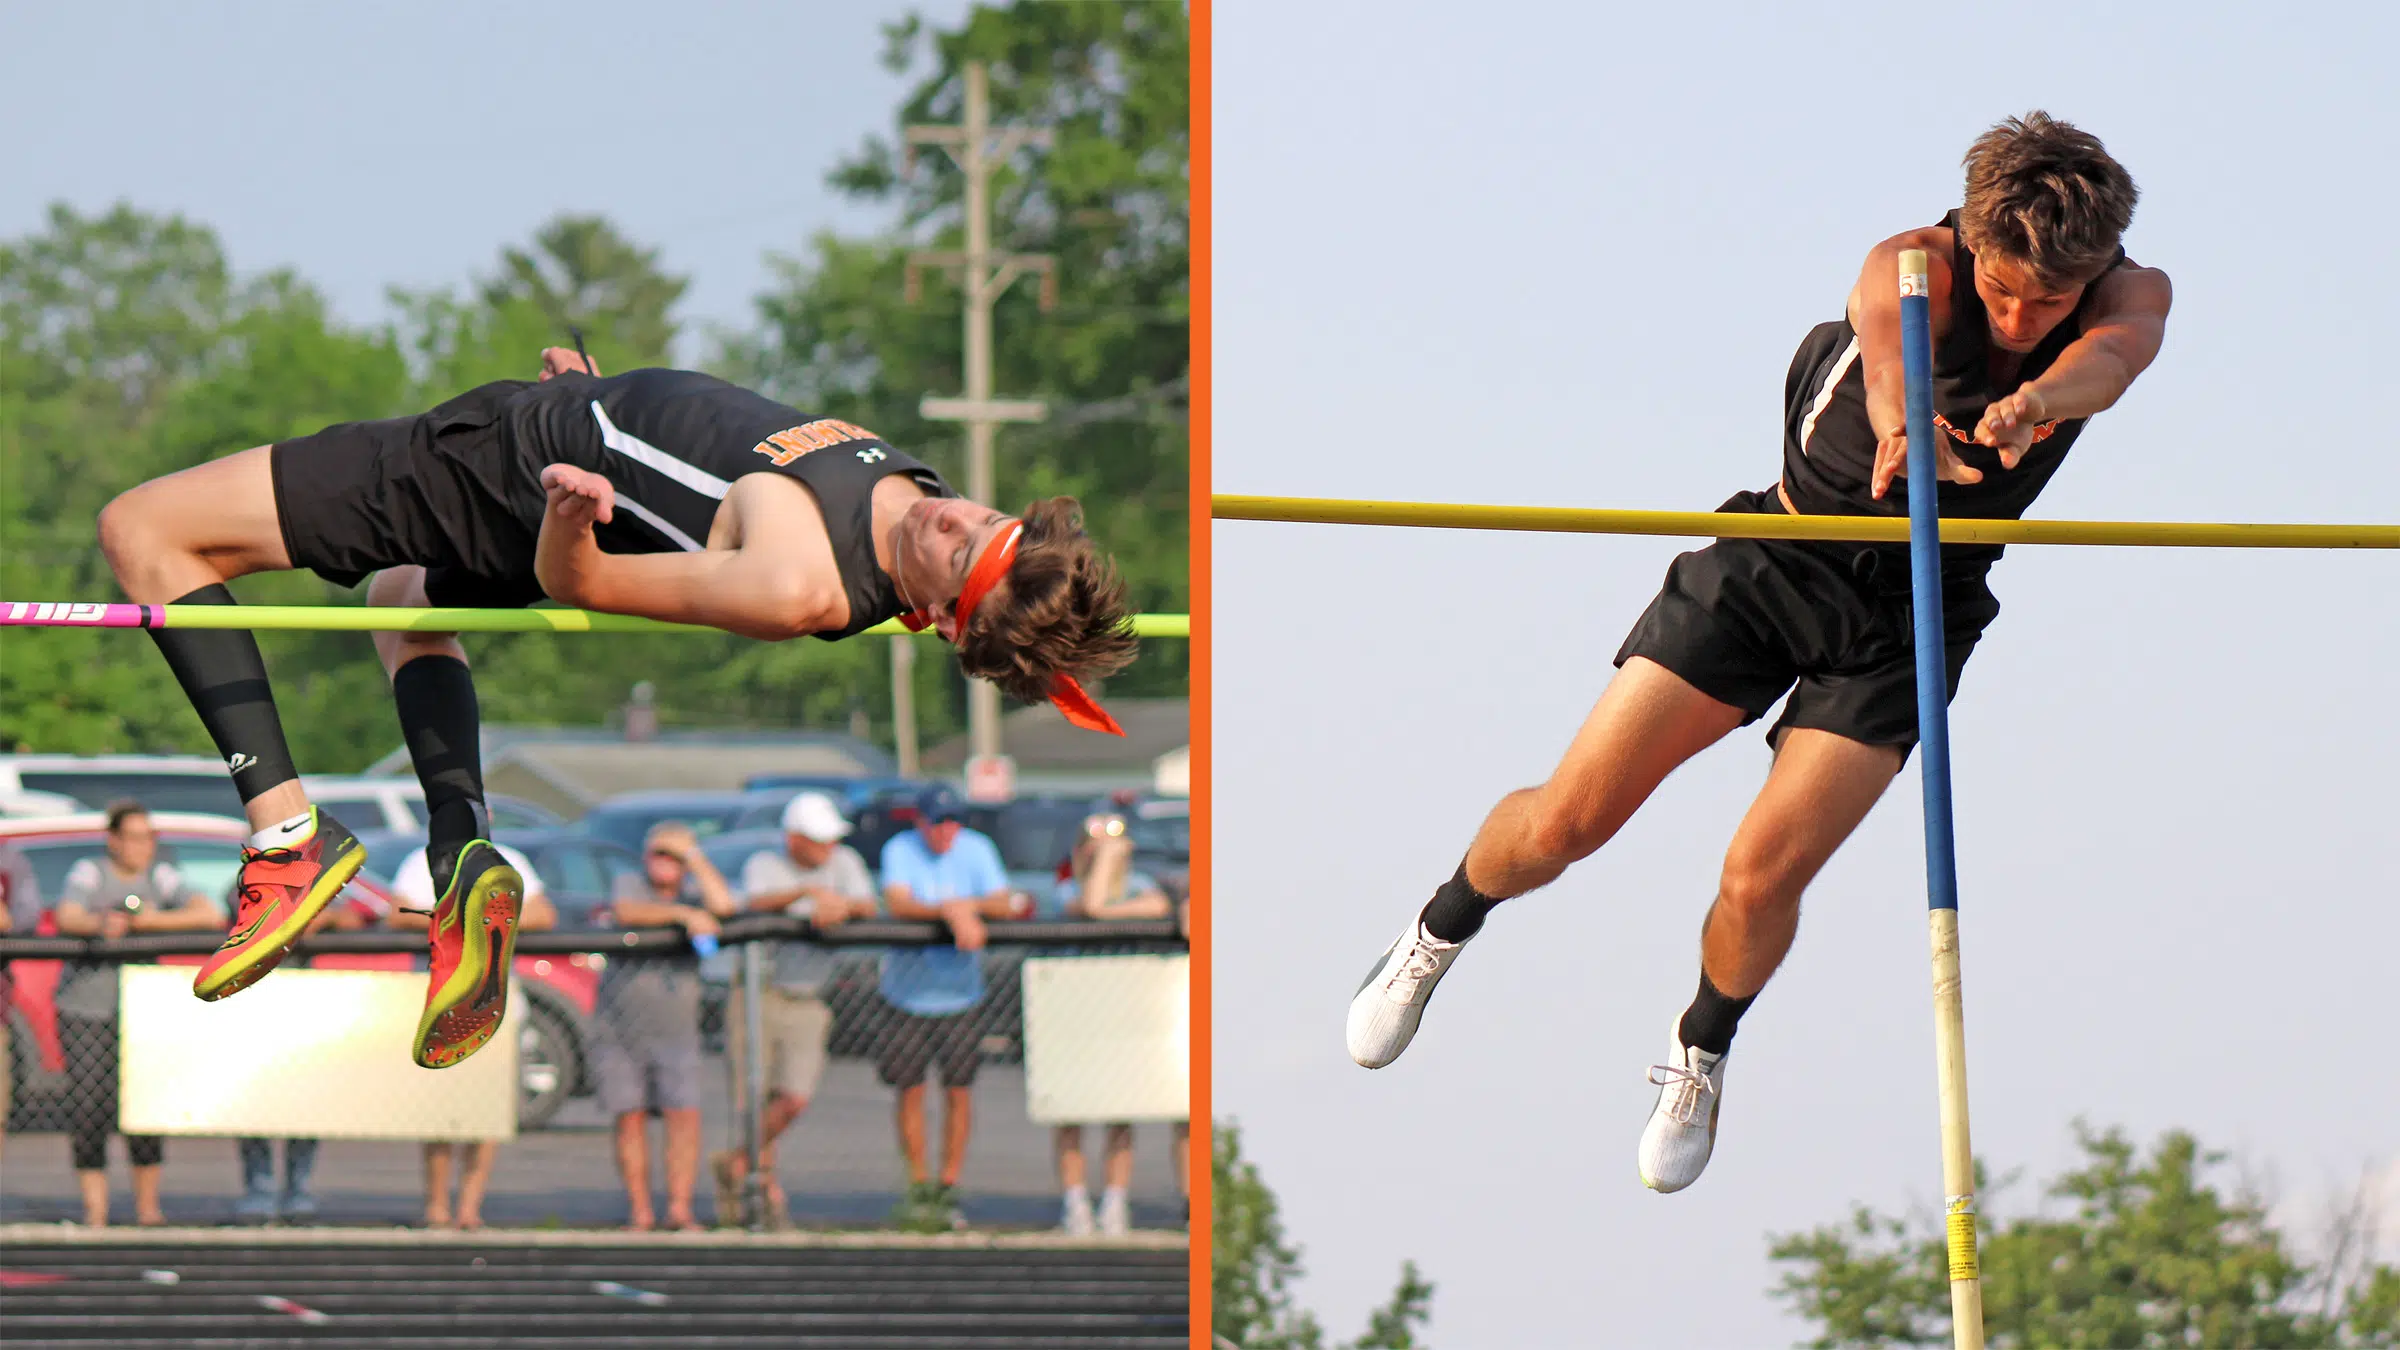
666, 494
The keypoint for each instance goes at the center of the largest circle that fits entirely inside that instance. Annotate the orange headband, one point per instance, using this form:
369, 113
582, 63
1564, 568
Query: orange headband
1078, 707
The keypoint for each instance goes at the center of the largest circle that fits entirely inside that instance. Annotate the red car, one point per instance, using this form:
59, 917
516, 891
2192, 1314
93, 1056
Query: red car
207, 850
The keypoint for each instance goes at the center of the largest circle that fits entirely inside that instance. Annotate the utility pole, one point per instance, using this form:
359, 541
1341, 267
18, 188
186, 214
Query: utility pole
979, 148
904, 703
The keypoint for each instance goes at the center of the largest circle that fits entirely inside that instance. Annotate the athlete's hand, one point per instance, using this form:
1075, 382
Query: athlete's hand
579, 497
1891, 461
2009, 424
559, 360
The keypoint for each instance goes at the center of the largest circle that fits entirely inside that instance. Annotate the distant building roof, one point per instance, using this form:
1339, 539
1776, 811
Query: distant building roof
569, 769
1050, 753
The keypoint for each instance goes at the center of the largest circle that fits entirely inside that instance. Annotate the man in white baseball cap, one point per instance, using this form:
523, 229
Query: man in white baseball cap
817, 877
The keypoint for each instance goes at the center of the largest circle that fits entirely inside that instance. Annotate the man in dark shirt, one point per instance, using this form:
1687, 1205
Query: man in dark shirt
646, 1025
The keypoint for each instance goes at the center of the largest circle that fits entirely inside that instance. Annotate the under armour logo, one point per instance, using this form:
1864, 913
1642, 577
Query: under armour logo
870, 454
237, 761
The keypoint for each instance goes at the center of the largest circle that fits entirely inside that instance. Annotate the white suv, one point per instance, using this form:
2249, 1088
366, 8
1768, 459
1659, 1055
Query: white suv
35, 785
160, 782
378, 803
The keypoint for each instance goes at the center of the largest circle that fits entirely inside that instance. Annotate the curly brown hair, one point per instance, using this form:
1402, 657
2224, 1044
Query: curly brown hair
1060, 609
2047, 194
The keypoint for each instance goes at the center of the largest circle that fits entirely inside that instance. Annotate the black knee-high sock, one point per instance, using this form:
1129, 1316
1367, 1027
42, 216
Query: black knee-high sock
1457, 910
442, 726
223, 674
1710, 1022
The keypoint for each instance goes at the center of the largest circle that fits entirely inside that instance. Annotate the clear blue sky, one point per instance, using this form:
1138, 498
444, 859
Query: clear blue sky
370, 146
1562, 253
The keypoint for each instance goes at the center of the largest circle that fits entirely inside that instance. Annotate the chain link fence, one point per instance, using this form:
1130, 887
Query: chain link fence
797, 1078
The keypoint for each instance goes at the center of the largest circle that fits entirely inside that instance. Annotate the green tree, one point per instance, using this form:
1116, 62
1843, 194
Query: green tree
128, 349
1395, 1325
2151, 1253
1255, 1266
576, 272
842, 334
581, 273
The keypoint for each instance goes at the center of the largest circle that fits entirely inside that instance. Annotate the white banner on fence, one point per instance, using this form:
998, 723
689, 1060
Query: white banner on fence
318, 1054
1108, 1039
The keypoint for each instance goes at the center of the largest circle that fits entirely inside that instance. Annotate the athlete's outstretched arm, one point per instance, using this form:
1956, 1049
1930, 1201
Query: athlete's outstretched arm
759, 588
2120, 340
1875, 317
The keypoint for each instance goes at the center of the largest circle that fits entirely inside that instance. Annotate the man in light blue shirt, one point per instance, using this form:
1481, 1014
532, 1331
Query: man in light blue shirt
944, 872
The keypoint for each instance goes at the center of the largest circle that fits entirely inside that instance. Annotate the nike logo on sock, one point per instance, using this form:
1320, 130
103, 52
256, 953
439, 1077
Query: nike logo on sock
286, 834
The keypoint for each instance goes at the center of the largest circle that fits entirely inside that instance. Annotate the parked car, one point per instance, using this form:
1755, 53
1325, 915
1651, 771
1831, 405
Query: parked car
850, 793
625, 818
366, 802
1162, 842
198, 783
206, 849
160, 782
579, 875
24, 802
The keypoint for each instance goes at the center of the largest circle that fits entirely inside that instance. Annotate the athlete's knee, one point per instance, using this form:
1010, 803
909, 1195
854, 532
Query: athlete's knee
129, 529
400, 587
397, 586
1756, 883
1560, 826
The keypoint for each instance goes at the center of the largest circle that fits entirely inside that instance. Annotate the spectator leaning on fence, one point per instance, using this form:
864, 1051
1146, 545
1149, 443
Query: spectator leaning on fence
1103, 885
126, 890
941, 871
815, 876
472, 1161
21, 908
646, 1041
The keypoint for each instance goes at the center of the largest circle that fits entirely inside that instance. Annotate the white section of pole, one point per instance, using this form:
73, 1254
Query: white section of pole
1958, 1150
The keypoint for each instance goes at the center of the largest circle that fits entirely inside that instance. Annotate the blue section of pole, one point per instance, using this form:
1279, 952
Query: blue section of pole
1925, 576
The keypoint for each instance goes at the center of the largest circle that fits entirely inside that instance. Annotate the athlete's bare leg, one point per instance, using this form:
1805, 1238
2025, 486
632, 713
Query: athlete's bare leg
1820, 788
1647, 722
404, 587
197, 527
202, 526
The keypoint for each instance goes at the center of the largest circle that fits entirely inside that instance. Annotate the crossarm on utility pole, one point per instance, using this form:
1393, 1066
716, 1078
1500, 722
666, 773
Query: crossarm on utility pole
979, 149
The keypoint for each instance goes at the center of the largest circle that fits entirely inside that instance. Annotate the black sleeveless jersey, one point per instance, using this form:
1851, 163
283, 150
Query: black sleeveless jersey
673, 441
1829, 445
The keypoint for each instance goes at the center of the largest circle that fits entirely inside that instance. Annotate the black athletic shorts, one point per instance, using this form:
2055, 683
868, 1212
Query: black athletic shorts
1744, 620
915, 1044
442, 490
